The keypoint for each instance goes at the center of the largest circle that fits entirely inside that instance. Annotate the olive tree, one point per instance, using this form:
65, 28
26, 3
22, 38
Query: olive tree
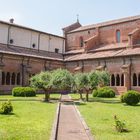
90, 81
62, 80
103, 78
43, 81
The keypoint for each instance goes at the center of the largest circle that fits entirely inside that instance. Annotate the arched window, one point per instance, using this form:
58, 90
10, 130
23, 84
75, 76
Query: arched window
13, 79
139, 80
118, 36
81, 41
112, 80
18, 79
117, 80
8, 78
3, 78
122, 80
134, 79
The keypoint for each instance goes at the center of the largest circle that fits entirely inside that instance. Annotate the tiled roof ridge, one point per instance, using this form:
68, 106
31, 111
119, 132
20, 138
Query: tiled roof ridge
107, 23
71, 25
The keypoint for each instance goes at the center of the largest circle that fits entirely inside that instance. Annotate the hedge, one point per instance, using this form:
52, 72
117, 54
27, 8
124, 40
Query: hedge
130, 97
105, 92
24, 91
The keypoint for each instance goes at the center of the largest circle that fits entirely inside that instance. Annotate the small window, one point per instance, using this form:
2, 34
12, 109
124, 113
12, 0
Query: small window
11, 41
33, 45
88, 32
118, 36
81, 42
56, 50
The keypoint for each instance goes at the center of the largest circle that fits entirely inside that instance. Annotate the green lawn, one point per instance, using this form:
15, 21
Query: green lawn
37, 97
31, 120
99, 112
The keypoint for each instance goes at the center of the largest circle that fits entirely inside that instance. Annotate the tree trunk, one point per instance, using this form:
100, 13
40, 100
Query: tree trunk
87, 92
47, 96
81, 97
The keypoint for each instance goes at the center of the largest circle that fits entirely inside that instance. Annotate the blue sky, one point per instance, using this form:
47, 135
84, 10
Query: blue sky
52, 15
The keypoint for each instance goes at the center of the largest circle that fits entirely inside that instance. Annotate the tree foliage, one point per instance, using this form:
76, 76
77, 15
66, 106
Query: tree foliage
62, 79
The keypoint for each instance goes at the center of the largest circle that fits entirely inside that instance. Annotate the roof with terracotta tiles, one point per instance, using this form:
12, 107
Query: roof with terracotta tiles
21, 51
106, 23
74, 51
112, 46
127, 51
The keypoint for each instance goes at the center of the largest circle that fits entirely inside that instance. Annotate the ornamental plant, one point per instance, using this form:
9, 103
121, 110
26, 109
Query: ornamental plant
6, 107
131, 97
119, 125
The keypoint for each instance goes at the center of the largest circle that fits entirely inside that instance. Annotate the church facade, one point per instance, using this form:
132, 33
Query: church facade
113, 46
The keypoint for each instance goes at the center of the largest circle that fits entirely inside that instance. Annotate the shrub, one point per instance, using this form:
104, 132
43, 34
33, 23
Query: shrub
119, 125
131, 97
6, 108
106, 92
24, 91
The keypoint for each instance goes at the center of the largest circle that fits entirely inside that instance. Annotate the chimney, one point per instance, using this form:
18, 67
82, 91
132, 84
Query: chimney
11, 20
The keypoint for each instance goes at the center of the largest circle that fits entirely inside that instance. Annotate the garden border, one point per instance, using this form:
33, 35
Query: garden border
87, 129
56, 122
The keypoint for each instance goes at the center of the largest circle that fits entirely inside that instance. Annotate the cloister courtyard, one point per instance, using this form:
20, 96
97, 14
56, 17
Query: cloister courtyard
34, 119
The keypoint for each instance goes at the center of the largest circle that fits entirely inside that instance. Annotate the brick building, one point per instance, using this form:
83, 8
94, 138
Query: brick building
112, 46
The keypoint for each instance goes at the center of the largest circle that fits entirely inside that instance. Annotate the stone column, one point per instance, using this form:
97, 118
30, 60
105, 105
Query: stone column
127, 80
27, 74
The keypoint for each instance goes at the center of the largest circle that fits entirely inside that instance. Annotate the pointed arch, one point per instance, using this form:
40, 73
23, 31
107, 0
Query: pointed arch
134, 79
3, 78
13, 78
122, 80
118, 80
139, 79
112, 80
18, 79
8, 78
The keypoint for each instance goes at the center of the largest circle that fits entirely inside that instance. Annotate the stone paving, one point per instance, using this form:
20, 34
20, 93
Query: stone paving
70, 126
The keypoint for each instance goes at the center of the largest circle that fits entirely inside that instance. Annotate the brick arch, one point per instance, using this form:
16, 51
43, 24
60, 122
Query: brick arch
134, 79
3, 78
122, 79
112, 80
18, 78
117, 80
13, 79
139, 79
8, 78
